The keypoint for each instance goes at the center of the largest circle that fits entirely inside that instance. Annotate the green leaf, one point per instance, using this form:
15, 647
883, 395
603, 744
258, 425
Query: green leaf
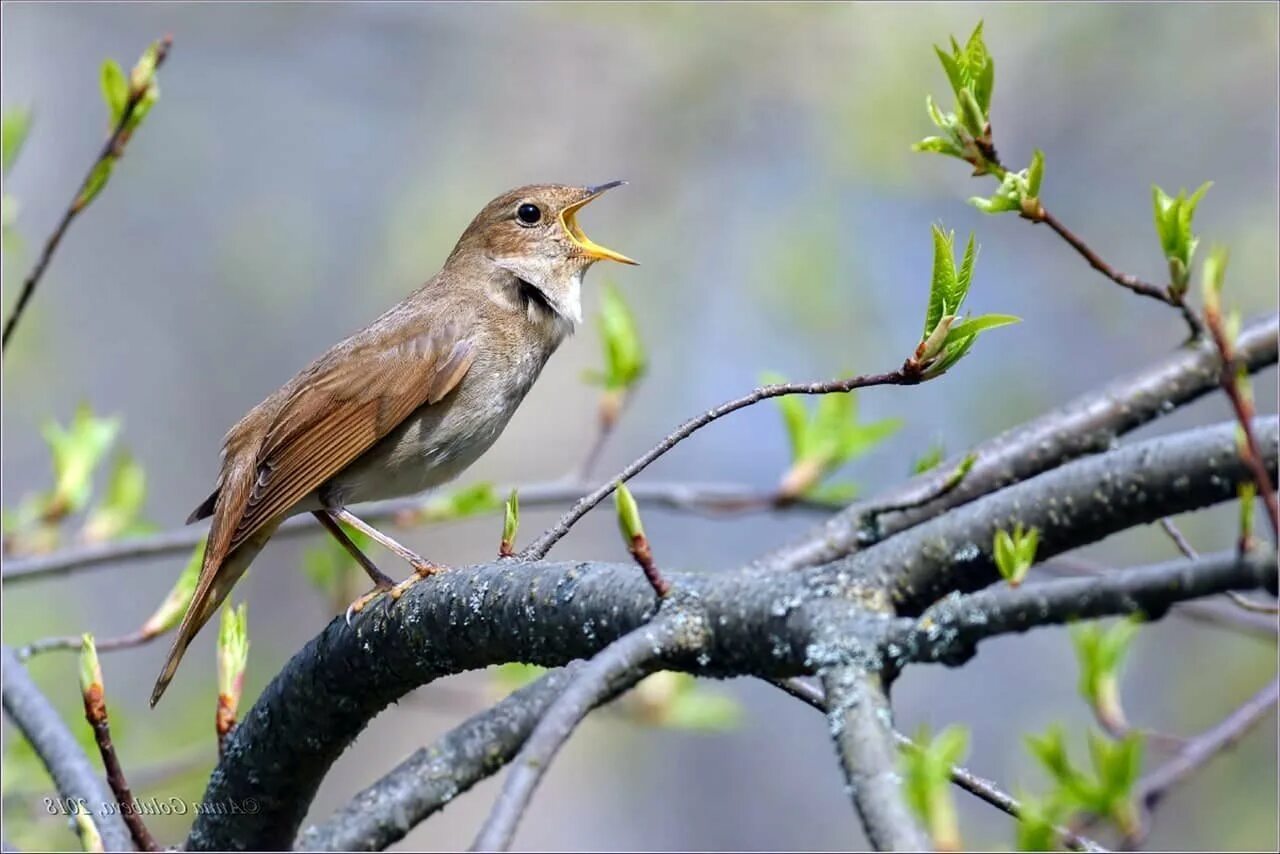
1214, 275
964, 276
950, 65
115, 90
90, 667
929, 459
15, 124
515, 675
233, 651
628, 514
943, 281
984, 85
974, 325
1015, 553
121, 506
466, 501
971, 114
175, 604
834, 494
1035, 173
938, 145
679, 701
94, 183
77, 452
926, 779
624, 357
1100, 655
511, 518
1173, 217
144, 71
1038, 823
794, 415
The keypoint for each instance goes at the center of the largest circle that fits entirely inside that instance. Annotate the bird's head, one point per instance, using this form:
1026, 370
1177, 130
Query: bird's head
532, 233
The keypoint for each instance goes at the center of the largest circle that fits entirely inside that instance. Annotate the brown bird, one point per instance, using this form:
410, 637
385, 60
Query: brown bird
406, 403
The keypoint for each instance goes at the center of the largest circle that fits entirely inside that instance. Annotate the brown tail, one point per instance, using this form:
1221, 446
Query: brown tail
215, 583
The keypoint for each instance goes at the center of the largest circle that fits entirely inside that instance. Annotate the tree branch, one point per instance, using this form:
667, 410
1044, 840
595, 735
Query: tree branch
859, 716
72, 773
432, 777
112, 149
1196, 752
709, 498
548, 613
949, 631
906, 375
616, 668
1243, 409
1087, 425
1209, 612
978, 786
544, 613
1073, 505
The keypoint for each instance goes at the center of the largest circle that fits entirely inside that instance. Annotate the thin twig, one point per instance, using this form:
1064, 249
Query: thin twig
112, 149
906, 375
713, 499
1179, 539
612, 405
976, 785
617, 667
929, 493
73, 775
1088, 424
1197, 751
74, 642
1243, 408
95, 712
1124, 280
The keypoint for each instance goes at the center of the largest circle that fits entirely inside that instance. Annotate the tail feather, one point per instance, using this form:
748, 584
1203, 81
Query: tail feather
216, 583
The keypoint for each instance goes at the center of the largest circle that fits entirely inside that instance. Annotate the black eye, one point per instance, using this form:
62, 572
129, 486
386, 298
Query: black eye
529, 214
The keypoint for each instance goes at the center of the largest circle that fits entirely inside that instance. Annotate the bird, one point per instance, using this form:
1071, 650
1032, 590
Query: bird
405, 404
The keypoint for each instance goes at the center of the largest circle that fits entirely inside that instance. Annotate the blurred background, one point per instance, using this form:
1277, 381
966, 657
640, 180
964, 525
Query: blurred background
309, 165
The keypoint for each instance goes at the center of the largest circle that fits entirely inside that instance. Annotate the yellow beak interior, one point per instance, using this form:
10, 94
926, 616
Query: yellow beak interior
569, 219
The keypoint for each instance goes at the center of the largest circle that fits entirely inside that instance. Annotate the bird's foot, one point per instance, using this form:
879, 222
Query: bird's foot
362, 601
421, 569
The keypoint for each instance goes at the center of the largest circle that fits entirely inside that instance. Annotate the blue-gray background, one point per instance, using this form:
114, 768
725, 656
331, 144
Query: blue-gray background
308, 165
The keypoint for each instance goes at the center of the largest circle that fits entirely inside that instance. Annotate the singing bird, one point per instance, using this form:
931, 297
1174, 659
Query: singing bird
408, 402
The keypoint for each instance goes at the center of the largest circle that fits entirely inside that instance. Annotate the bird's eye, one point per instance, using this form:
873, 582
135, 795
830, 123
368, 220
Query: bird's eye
528, 214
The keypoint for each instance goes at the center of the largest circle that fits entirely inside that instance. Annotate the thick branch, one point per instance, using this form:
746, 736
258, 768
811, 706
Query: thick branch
432, 777
72, 773
552, 613
616, 668
1208, 611
1088, 424
709, 498
460, 620
949, 631
1073, 505
976, 785
860, 720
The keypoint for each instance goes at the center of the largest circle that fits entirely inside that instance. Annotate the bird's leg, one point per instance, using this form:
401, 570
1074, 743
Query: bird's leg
381, 581
421, 567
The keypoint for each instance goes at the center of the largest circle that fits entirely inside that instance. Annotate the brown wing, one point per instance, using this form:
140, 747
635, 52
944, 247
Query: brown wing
334, 412
343, 411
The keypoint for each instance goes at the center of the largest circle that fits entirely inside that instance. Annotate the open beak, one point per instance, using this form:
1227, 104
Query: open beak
569, 219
